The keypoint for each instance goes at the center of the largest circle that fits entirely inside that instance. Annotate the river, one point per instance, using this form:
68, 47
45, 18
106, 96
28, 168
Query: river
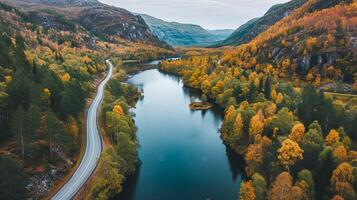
182, 155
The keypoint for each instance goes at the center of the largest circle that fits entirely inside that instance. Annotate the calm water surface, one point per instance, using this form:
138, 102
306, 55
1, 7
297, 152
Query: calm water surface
182, 155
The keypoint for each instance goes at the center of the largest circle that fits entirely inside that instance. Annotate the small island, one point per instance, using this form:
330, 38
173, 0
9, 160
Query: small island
200, 106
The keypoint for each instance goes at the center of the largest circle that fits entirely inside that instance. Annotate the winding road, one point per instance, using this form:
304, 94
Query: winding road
93, 147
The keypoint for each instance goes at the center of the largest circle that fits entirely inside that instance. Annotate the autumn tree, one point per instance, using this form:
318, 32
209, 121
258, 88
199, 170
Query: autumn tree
341, 153
238, 126
282, 187
66, 77
256, 125
310, 43
233, 133
289, 153
332, 138
254, 158
118, 110
247, 191
342, 179
297, 133
229, 119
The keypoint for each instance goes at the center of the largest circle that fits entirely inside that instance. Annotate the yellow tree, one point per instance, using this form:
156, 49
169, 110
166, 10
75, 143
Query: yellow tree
282, 187
254, 158
270, 109
332, 138
256, 125
247, 191
229, 114
310, 43
342, 179
289, 153
238, 125
297, 133
118, 110
341, 153
65, 78
279, 98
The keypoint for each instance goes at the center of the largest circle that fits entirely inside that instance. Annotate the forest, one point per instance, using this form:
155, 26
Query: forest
46, 78
298, 141
289, 98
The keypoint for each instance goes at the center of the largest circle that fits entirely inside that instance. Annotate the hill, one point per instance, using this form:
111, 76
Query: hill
178, 34
99, 19
254, 27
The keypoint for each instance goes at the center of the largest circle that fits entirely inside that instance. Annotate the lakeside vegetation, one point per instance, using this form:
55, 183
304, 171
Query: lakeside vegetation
289, 97
297, 143
119, 158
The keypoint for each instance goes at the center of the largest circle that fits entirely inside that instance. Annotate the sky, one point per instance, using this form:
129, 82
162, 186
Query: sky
210, 14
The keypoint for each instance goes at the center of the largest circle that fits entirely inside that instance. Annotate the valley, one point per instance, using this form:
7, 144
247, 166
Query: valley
99, 102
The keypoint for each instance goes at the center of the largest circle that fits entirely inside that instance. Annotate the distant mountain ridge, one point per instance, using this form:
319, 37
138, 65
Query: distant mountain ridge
179, 34
99, 19
254, 27
68, 2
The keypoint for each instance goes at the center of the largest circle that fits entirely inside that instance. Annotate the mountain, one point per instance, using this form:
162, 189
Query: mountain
221, 34
99, 19
254, 27
315, 41
178, 34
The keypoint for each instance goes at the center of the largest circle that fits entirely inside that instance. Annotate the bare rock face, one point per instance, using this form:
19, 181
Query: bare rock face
105, 20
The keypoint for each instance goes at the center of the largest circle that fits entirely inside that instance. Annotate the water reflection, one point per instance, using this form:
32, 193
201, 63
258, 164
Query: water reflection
182, 155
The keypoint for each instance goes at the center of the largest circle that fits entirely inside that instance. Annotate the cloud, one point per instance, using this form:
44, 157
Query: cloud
212, 14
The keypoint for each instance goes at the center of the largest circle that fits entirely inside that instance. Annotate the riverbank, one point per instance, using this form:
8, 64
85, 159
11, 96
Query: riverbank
132, 67
117, 130
179, 148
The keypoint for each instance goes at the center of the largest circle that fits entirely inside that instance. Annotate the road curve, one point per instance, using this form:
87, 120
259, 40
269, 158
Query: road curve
93, 147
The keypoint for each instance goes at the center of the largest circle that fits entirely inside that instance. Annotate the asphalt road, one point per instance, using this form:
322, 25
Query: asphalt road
93, 147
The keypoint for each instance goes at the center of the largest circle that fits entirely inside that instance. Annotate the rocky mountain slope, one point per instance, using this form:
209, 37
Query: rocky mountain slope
178, 34
254, 27
101, 20
317, 40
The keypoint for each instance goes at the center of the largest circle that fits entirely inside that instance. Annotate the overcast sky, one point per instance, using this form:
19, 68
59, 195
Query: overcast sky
211, 14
